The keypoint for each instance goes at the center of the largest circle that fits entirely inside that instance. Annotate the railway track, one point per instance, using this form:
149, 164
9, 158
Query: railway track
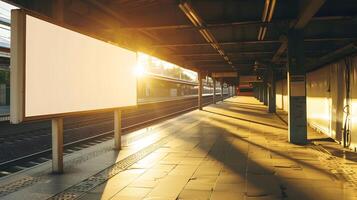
27, 148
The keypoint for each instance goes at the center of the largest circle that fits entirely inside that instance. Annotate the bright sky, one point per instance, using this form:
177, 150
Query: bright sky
144, 59
5, 10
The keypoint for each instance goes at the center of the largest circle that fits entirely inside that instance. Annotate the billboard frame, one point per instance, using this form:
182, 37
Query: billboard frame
18, 68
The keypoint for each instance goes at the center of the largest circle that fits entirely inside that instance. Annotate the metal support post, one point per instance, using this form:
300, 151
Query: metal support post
57, 145
297, 123
214, 91
261, 93
272, 91
265, 91
200, 89
222, 90
117, 129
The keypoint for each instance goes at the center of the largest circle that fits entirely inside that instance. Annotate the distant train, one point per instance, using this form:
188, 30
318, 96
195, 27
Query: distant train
153, 86
245, 90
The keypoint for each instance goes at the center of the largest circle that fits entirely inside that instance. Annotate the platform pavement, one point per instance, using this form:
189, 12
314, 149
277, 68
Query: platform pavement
231, 150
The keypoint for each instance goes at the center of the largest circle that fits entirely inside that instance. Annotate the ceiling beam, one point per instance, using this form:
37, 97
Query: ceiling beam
333, 56
306, 14
197, 21
252, 42
220, 43
232, 24
229, 53
212, 25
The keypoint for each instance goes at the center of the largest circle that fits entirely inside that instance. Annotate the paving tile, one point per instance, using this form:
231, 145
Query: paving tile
223, 195
232, 152
191, 194
131, 193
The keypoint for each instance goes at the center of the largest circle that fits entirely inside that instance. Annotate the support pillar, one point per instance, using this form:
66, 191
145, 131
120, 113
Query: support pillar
296, 88
200, 89
265, 91
272, 91
222, 90
117, 129
261, 93
229, 91
214, 91
255, 93
57, 145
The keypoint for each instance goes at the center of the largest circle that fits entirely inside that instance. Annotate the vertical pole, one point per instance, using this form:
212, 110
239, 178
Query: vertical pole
117, 129
261, 93
200, 88
222, 90
230, 91
57, 145
214, 91
265, 90
272, 91
296, 88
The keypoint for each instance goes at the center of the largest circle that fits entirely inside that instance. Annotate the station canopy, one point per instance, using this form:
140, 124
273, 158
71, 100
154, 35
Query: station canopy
243, 36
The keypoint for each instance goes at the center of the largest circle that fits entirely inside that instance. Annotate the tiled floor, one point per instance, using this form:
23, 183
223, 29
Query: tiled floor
231, 150
237, 151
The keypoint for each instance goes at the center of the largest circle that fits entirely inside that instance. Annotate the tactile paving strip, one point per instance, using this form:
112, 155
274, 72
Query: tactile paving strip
86, 185
15, 186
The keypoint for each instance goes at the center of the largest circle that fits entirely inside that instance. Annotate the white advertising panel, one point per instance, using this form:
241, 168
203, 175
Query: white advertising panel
67, 72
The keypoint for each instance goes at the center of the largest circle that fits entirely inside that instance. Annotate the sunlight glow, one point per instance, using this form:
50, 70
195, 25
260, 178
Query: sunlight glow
139, 70
153, 65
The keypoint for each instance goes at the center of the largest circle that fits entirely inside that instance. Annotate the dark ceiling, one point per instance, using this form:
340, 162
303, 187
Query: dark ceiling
214, 35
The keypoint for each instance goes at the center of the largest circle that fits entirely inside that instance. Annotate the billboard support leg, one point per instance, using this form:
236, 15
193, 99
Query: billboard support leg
57, 145
117, 129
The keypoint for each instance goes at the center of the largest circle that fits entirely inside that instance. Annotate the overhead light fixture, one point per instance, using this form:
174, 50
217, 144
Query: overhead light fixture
195, 19
267, 16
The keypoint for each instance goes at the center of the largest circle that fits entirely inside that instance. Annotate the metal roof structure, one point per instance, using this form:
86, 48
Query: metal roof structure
214, 35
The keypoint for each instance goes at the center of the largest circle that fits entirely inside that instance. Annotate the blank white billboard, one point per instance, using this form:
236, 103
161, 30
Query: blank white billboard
65, 72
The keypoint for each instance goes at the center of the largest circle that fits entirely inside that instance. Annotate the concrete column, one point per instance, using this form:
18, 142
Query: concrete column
296, 88
261, 93
222, 90
57, 145
255, 93
200, 89
214, 91
117, 129
272, 91
265, 90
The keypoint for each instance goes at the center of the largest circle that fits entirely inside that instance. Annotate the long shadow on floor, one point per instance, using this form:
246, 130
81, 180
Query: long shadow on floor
261, 114
271, 135
241, 103
247, 120
249, 107
231, 157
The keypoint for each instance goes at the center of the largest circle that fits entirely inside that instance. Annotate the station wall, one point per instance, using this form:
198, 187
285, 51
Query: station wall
330, 109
